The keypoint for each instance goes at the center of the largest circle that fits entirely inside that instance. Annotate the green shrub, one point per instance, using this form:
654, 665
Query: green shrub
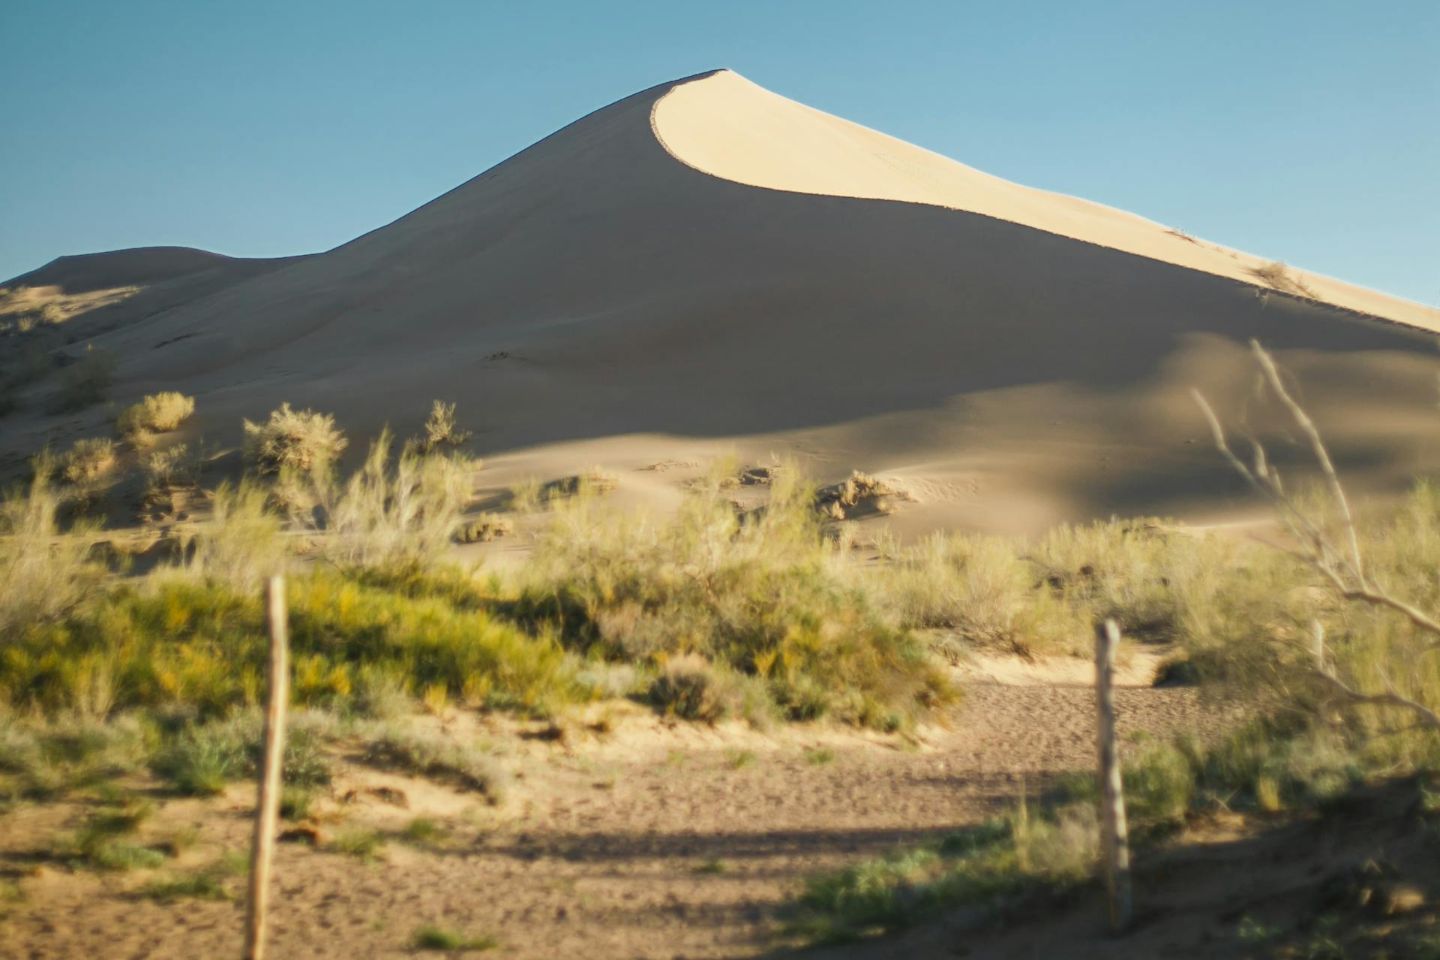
182, 642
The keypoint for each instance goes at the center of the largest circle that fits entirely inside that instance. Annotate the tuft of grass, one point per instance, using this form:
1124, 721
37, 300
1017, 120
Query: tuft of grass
440, 938
44, 760
437, 757
301, 440
198, 885
1002, 866
156, 413
740, 759
712, 867
101, 841
424, 832
360, 842
819, 756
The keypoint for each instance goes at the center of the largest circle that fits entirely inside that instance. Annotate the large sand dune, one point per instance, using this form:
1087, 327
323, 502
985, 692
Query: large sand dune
705, 266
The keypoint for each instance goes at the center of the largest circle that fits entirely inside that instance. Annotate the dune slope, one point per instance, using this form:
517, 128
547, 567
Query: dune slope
704, 266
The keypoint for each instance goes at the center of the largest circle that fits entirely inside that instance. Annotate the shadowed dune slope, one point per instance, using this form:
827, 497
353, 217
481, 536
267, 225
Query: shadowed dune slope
597, 286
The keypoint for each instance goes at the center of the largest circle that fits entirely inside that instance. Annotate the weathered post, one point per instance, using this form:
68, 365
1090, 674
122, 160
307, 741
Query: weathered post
267, 808
1115, 840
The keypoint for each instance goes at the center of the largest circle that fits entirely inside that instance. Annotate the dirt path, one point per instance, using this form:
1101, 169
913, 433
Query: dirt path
653, 841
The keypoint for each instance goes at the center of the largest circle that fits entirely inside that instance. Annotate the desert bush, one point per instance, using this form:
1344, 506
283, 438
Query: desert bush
690, 688
301, 440
46, 571
156, 413
202, 758
765, 598
983, 590
1120, 570
89, 460
86, 381
168, 468
440, 430
395, 513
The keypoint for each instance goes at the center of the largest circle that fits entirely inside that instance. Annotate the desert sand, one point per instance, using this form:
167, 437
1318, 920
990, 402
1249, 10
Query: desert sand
707, 268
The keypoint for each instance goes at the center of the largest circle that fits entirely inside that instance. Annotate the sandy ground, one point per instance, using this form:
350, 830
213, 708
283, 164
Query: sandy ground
651, 841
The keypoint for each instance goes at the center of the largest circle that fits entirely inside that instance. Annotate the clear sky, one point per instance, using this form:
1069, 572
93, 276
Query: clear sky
1304, 130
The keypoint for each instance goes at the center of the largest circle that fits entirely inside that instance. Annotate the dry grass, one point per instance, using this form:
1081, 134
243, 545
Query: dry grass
240, 543
392, 511
46, 570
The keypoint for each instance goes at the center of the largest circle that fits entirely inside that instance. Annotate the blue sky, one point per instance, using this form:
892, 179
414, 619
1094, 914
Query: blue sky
1305, 131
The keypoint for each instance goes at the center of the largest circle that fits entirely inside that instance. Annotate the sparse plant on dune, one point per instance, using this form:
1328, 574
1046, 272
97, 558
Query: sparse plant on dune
1279, 276
89, 461
440, 430
168, 468
300, 440
156, 413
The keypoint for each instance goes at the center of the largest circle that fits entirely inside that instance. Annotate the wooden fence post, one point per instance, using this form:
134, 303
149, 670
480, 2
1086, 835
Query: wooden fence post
267, 808
1115, 838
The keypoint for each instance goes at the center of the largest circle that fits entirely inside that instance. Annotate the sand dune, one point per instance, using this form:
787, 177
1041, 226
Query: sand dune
705, 266
728, 127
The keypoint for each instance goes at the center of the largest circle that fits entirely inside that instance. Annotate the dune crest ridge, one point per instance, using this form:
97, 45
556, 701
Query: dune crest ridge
729, 127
